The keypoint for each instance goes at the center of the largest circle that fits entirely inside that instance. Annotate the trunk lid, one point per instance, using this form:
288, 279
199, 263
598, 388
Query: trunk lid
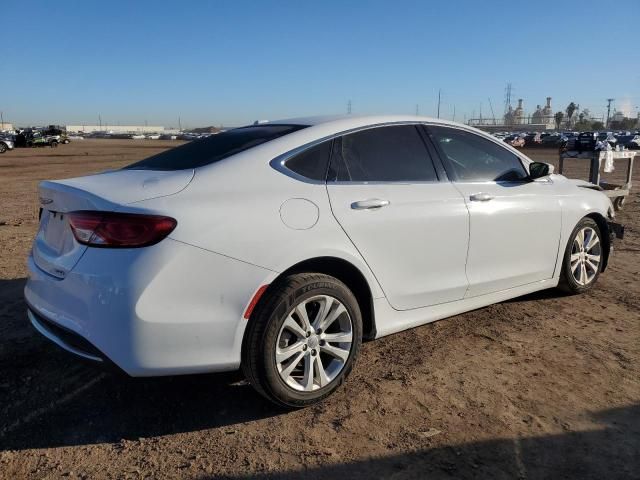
55, 249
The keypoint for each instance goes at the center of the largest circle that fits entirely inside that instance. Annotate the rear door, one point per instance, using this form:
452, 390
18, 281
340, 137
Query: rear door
514, 222
409, 224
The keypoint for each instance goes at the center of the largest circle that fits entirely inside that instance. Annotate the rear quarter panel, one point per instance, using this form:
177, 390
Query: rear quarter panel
235, 208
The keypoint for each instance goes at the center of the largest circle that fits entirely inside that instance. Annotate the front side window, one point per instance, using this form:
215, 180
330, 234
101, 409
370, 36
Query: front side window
199, 153
475, 159
384, 154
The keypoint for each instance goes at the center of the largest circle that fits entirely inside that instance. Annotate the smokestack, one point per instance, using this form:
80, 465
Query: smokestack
519, 103
548, 102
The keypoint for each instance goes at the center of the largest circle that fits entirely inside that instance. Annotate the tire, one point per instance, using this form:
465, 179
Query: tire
54, 144
580, 270
3, 147
619, 202
267, 339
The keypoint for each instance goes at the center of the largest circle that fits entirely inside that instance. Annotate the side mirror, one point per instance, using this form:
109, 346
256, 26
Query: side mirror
539, 170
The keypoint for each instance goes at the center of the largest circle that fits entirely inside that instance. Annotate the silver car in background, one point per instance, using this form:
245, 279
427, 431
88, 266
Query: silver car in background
6, 143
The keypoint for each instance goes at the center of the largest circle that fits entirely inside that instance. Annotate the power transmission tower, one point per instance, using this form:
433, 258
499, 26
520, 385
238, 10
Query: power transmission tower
507, 97
349, 107
609, 100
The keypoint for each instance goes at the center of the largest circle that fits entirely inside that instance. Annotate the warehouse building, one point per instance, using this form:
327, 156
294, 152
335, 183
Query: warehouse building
120, 129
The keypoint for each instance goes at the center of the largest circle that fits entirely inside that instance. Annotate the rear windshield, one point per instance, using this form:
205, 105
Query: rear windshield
205, 151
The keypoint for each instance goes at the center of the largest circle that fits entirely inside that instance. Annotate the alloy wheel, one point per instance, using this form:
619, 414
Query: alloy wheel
586, 254
314, 343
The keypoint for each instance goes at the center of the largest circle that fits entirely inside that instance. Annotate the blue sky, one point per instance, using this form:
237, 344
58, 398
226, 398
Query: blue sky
231, 62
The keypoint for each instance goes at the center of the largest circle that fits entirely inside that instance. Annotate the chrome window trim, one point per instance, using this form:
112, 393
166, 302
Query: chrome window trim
279, 162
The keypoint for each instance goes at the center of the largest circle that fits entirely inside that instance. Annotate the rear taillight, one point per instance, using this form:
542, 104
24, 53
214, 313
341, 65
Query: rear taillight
119, 230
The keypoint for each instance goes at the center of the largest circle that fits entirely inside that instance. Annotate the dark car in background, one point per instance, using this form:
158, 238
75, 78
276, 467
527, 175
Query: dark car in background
630, 142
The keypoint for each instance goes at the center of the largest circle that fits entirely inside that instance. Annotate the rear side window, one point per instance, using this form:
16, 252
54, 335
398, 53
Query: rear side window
385, 154
206, 151
474, 158
313, 162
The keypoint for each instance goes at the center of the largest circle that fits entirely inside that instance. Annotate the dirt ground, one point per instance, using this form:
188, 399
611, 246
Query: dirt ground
543, 386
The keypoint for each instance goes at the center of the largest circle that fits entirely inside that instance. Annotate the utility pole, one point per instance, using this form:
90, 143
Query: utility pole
179, 124
349, 107
100, 121
439, 103
454, 114
417, 110
1, 120
609, 100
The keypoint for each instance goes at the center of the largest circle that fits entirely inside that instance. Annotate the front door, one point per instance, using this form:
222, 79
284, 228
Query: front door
514, 222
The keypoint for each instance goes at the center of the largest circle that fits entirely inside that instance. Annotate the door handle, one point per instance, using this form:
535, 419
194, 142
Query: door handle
480, 197
370, 204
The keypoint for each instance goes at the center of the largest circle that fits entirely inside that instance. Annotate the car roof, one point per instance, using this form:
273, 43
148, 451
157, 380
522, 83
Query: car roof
355, 121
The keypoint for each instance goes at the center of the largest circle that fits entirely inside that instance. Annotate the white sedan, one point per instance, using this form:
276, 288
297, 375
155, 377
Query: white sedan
278, 247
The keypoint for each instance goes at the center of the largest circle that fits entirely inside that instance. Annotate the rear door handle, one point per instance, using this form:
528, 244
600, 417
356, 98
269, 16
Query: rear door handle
480, 197
370, 204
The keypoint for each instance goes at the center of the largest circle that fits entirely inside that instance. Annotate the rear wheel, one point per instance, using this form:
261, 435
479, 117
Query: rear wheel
54, 144
302, 340
583, 258
3, 147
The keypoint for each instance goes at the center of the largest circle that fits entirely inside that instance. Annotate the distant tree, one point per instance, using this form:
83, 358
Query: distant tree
558, 118
597, 126
571, 108
625, 124
583, 126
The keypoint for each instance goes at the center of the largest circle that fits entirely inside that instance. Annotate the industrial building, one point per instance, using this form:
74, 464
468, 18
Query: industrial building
515, 120
120, 129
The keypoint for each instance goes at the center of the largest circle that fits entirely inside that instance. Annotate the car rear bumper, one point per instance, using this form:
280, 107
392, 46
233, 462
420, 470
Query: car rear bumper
162, 310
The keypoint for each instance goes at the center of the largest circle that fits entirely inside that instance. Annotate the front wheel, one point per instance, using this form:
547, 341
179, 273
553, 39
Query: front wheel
583, 258
3, 147
302, 340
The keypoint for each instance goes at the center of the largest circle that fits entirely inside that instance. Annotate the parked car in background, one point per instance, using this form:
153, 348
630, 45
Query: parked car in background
515, 140
630, 142
532, 139
608, 137
553, 140
6, 143
40, 140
